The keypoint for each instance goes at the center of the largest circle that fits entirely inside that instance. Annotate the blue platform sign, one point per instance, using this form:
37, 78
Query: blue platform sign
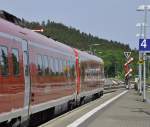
144, 45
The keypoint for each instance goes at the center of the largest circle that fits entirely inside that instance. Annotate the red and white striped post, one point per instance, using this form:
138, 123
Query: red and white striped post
128, 71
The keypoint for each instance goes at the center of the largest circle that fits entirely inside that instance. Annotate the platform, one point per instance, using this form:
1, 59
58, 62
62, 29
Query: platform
128, 110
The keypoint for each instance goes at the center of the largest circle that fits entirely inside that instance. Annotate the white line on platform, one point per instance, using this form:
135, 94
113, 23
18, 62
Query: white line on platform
90, 113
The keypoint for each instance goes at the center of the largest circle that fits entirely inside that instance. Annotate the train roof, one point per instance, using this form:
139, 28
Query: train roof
86, 56
27, 34
13, 29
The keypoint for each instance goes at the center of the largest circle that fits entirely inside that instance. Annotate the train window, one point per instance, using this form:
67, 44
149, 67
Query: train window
58, 63
3, 60
65, 68
51, 67
46, 68
69, 69
61, 67
56, 66
72, 69
39, 65
15, 61
64, 65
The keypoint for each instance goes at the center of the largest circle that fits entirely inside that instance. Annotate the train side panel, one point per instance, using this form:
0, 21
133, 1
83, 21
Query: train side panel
52, 77
11, 77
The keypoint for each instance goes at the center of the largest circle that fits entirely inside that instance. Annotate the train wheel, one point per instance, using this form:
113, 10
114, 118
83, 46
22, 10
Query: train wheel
82, 101
101, 93
72, 104
15, 123
95, 96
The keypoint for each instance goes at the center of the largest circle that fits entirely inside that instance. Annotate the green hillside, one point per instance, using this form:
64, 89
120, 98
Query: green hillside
112, 52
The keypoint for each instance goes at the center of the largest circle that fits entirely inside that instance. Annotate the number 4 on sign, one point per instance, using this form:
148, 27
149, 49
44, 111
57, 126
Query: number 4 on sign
144, 44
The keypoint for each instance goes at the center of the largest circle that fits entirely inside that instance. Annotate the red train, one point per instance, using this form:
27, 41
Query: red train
40, 77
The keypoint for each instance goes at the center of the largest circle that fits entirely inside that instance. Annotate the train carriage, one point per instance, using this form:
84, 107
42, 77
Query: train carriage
40, 77
92, 74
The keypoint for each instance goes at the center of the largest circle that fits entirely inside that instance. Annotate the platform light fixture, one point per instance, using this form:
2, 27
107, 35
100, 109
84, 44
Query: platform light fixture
91, 45
143, 7
38, 30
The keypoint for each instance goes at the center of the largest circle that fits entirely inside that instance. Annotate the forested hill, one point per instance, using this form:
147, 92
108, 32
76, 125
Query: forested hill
110, 51
74, 37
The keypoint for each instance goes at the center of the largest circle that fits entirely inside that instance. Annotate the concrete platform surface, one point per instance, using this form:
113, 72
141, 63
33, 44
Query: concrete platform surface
128, 111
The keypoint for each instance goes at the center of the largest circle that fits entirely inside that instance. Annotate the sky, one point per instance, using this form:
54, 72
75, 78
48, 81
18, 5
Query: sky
109, 19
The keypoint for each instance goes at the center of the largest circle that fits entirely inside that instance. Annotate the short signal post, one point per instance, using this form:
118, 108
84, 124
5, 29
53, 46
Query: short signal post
127, 68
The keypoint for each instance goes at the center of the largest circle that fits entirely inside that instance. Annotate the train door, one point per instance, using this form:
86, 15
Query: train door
78, 82
26, 78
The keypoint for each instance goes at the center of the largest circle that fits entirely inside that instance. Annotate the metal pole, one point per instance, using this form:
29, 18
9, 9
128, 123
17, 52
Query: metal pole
144, 76
90, 46
140, 75
144, 73
148, 69
140, 65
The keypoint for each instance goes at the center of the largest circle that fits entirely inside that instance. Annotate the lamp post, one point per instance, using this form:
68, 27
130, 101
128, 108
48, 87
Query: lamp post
100, 52
90, 46
144, 8
140, 35
97, 52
